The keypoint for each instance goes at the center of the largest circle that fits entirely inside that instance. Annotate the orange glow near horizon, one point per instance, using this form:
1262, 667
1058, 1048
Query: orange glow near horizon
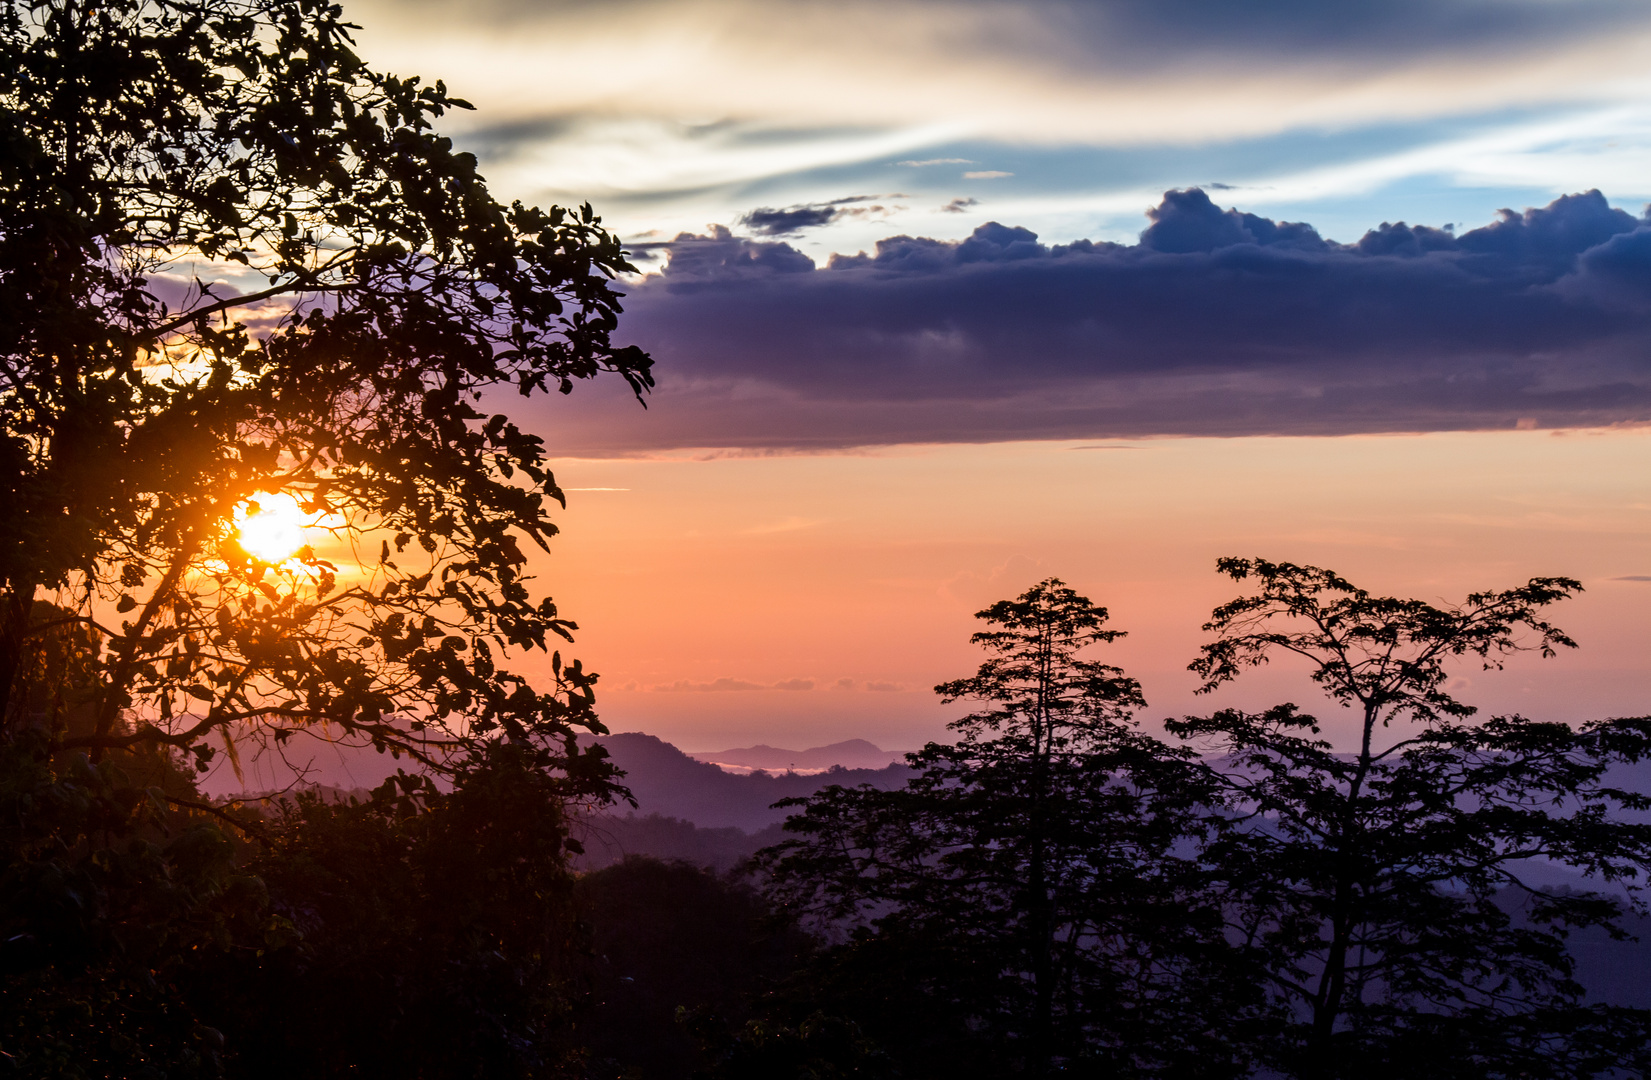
799, 600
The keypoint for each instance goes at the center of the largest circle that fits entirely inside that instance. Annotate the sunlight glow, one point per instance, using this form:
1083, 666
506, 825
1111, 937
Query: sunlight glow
271, 527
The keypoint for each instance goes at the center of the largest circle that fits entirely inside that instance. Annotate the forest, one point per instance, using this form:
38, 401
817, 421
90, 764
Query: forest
245, 283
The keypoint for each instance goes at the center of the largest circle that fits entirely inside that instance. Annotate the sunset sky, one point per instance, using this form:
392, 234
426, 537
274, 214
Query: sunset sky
950, 297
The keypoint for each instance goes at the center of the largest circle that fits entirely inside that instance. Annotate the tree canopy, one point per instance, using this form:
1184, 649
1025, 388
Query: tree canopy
241, 273
258, 321
1023, 904
1392, 897
1062, 891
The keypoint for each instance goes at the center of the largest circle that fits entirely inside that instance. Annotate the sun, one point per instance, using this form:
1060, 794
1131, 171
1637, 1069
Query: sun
271, 527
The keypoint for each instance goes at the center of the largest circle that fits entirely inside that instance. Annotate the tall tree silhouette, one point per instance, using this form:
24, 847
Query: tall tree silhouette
240, 272
1393, 894
1023, 904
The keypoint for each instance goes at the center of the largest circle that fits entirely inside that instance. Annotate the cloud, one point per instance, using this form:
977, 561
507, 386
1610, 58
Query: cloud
716, 686
1217, 321
1187, 221
793, 219
1615, 273
719, 255
767, 222
873, 685
1633, 577
937, 161
959, 205
726, 685
1132, 70
1104, 102
987, 174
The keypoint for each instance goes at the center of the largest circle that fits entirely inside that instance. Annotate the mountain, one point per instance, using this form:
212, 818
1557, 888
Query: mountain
851, 754
608, 838
667, 782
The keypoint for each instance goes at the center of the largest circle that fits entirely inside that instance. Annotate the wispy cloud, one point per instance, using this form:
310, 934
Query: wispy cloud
871, 685
1125, 71
1167, 92
730, 685
987, 174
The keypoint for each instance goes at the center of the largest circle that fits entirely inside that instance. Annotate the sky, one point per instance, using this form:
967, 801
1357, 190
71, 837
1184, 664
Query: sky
948, 297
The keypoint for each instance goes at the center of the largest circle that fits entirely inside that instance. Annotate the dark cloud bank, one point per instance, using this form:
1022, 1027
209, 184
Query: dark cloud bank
1217, 322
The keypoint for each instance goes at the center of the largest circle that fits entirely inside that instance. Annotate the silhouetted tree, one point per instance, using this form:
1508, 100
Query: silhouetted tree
1023, 904
434, 935
1392, 894
680, 955
108, 895
106, 901
238, 267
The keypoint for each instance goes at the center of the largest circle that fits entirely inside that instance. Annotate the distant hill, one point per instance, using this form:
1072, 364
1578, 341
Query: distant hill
608, 838
851, 754
669, 783
1615, 972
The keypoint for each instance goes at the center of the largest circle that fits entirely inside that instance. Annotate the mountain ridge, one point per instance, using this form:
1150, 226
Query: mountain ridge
850, 754
665, 781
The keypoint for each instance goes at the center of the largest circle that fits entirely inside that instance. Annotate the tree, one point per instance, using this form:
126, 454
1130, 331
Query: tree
680, 955
1022, 904
1391, 894
239, 272
244, 284
109, 896
106, 903
433, 934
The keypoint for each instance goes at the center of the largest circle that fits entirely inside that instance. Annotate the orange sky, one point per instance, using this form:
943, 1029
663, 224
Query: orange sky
868, 567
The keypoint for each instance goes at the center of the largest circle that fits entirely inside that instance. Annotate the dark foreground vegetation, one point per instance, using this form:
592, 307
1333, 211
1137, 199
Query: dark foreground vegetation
1056, 893
239, 267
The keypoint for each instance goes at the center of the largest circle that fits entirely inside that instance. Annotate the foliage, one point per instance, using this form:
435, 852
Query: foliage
1392, 897
239, 270
817, 1047
672, 940
1023, 903
108, 901
238, 267
436, 934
